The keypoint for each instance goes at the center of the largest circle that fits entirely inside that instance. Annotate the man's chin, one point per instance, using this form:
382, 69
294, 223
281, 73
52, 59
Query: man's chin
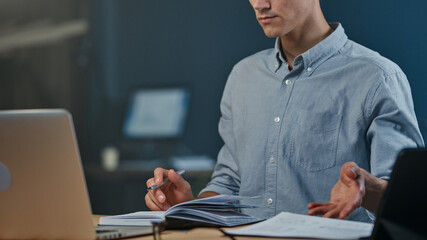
271, 31
271, 34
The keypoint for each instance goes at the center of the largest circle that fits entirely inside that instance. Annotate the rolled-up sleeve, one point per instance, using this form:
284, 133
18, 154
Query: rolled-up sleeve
394, 124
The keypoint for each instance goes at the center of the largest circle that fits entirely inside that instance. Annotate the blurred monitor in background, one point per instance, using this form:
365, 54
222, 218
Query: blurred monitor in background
154, 123
156, 113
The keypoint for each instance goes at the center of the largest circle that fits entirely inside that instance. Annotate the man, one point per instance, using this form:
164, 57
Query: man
293, 116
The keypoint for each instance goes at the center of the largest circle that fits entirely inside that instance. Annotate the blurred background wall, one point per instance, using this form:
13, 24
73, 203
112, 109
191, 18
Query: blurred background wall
88, 55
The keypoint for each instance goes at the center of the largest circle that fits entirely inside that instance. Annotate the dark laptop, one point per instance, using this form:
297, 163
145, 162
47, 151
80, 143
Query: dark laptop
402, 213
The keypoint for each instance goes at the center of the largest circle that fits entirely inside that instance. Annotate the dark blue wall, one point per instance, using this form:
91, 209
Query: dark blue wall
196, 43
394, 28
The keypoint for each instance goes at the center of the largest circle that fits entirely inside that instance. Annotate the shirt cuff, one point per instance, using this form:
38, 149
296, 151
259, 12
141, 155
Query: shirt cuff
211, 187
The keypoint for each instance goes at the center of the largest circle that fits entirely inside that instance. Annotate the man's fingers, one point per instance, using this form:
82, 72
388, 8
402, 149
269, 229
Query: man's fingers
330, 210
150, 199
178, 180
333, 212
159, 195
316, 211
317, 204
319, 208
158, 198
350, 171
174, 191
154, 198
156, 193
151, 203
150, 182
159, 174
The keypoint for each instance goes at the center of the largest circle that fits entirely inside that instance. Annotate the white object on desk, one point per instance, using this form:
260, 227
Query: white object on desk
303, 226
110, 158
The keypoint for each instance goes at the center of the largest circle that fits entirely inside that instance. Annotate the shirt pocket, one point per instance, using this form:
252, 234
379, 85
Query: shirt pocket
315, 140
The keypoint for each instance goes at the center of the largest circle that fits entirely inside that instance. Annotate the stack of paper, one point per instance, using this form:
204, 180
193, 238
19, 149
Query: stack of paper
302, 226
221, 210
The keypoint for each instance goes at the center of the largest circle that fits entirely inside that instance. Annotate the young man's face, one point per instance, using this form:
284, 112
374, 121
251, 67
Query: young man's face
279, 17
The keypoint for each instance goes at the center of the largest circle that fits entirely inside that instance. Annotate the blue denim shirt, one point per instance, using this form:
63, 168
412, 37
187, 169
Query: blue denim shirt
287, 133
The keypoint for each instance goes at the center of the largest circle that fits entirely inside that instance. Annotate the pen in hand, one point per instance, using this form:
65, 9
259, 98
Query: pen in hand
165, 180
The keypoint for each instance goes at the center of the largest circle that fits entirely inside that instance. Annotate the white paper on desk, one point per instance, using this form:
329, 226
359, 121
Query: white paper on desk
296, 225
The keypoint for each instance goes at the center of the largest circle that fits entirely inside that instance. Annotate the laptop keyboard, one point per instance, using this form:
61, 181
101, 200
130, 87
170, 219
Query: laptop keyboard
105, 230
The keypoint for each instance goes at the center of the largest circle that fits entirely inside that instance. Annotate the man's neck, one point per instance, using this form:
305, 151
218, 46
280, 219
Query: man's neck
304, 37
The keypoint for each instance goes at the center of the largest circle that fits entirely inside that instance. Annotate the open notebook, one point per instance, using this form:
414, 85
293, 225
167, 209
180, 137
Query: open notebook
221, 210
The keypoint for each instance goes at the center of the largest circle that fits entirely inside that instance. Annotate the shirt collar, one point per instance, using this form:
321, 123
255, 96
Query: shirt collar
279, 59
316, 55
277, 47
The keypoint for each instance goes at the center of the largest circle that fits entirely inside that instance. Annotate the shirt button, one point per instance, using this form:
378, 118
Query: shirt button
309, 69
272, 160
277, 119
288, 82
270, 201
276, 65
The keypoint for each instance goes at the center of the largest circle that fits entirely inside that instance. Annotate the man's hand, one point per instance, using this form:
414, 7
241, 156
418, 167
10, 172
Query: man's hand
356, 187
346, 195
177, 190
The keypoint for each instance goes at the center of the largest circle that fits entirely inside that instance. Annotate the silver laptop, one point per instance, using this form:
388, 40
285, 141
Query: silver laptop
42, 187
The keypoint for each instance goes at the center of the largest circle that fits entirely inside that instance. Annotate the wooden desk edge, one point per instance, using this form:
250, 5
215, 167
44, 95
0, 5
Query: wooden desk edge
196, 233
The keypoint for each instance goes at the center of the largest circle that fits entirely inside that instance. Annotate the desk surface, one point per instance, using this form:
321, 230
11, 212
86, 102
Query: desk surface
196, 233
